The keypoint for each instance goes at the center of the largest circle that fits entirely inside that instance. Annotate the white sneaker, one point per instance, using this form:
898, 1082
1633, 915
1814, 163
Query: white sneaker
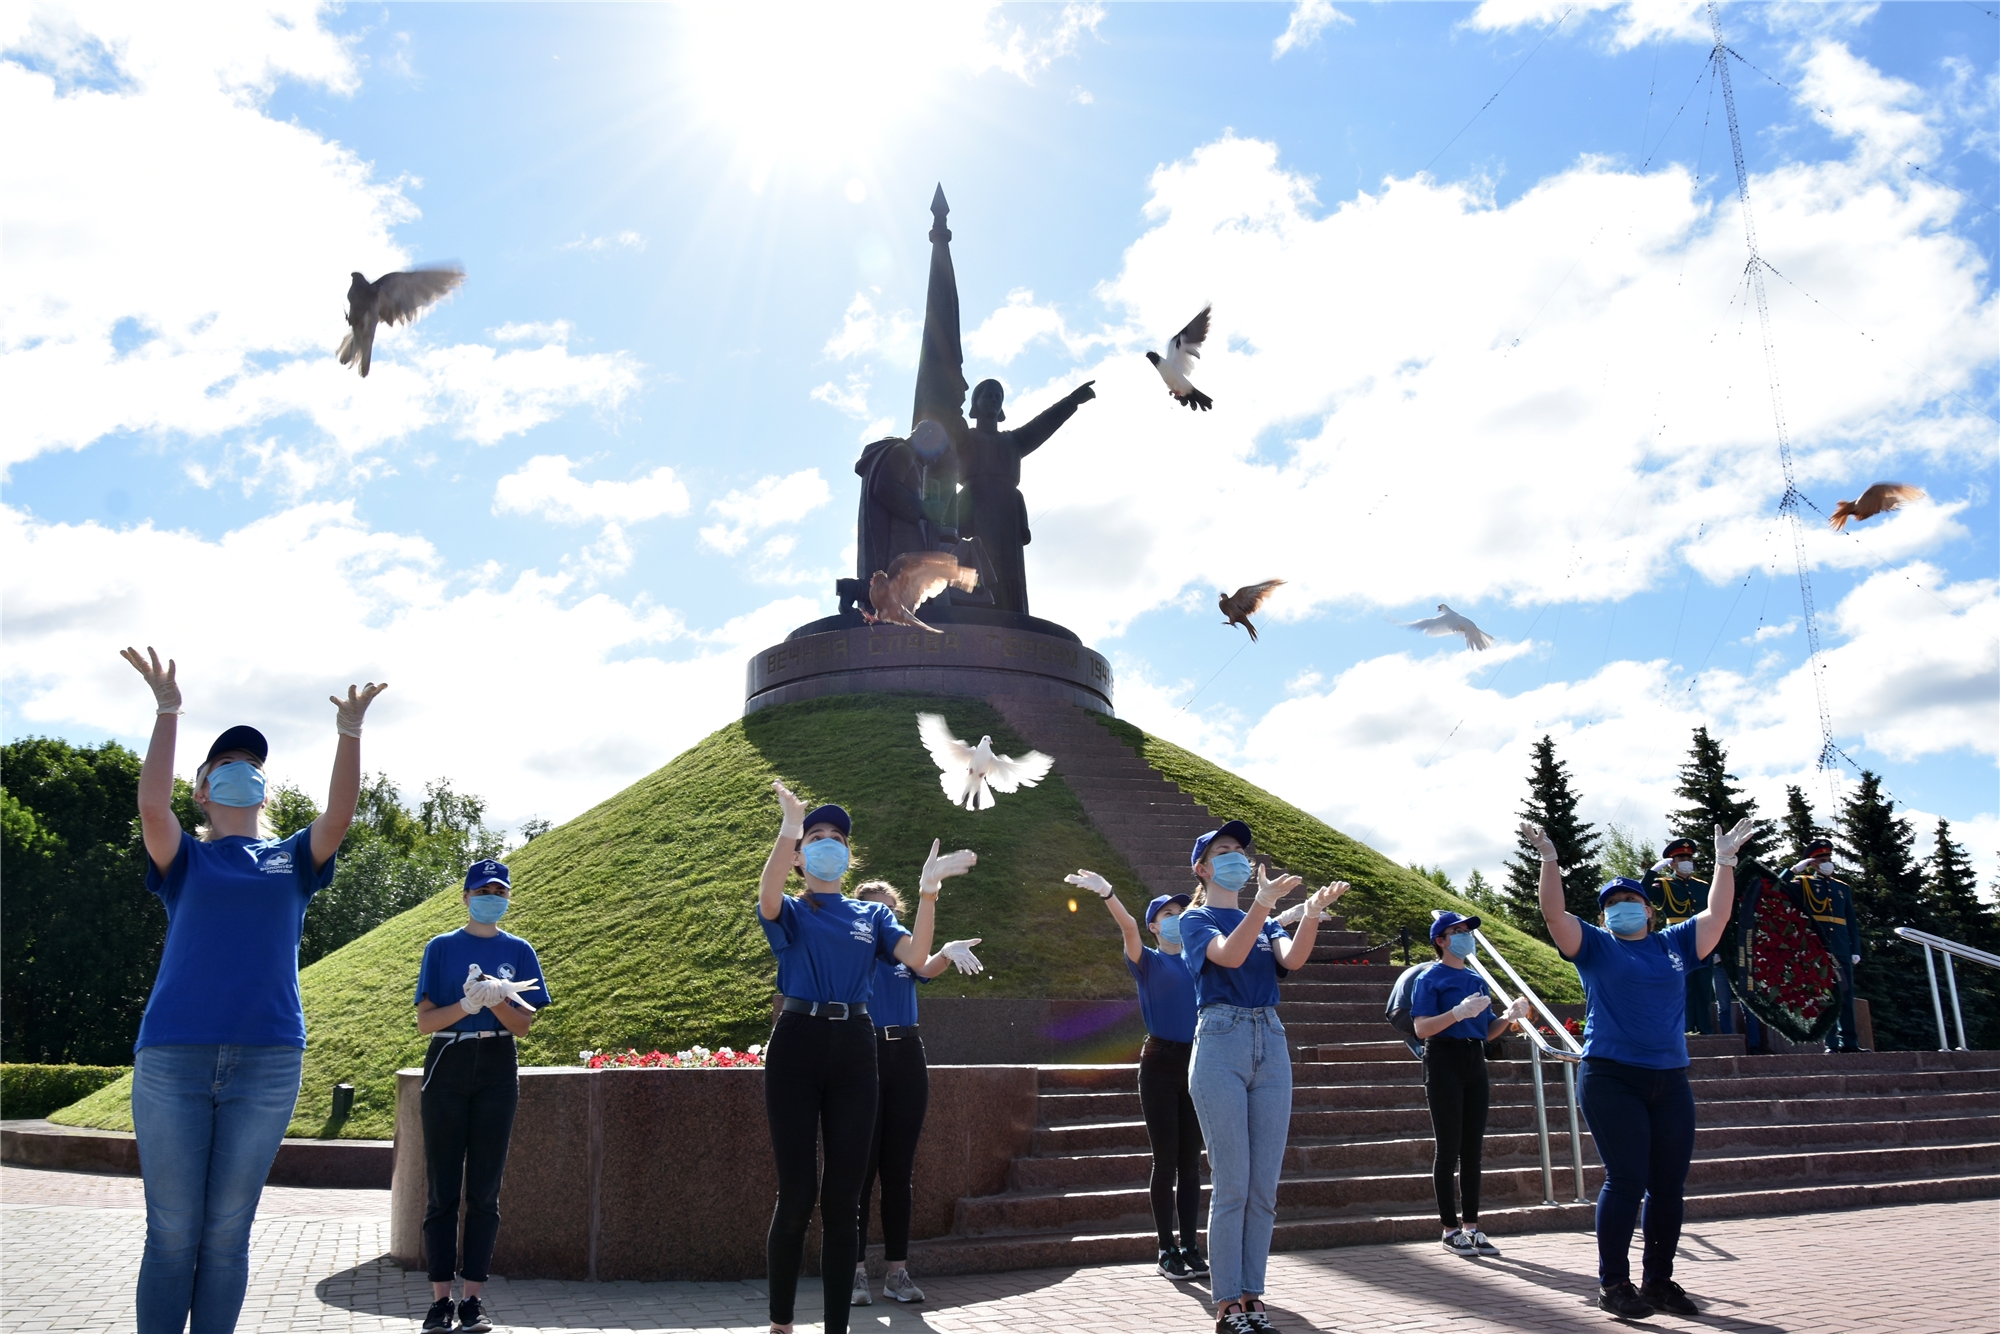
1484, 1243
1461, 1243
900, 1287
860, 1295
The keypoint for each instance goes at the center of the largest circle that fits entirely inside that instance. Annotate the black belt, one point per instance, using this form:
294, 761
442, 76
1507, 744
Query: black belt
896, 1032
1469, 1042
825, 1009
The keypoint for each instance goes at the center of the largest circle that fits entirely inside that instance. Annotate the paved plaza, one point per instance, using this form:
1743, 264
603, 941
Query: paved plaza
69, 1251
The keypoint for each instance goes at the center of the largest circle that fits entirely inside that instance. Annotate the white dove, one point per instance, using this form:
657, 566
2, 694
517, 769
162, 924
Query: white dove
972, 774
502, 988
1179, 361
1449, 622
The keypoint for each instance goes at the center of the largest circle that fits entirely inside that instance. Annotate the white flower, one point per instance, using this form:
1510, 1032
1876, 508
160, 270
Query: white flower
756, 1049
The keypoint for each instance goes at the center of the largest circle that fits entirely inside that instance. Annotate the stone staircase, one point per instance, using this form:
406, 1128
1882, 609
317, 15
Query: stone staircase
1777, 1134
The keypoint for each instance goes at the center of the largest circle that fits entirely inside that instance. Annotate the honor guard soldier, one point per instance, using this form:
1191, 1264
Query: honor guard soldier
1830, 904
1676, 896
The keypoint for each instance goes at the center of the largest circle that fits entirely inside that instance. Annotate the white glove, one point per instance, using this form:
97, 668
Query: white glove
479, 994
1269, 891
503, 990
1091, 881
1322, 898
1855, 958
792, 818
1472, 1006
961, 955
937, 869
1807, 867
1539, 841
1664, 866
1517, 1011
347, 712
165, 693
1295, 914
1726, 844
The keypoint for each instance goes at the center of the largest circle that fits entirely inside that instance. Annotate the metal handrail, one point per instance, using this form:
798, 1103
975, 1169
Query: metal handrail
1947, 948
1538, 1048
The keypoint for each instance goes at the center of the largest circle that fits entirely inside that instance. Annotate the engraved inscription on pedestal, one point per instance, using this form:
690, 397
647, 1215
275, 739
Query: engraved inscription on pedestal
964, 660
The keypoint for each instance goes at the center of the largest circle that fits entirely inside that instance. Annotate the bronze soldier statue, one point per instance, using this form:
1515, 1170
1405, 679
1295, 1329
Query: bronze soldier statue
991, 507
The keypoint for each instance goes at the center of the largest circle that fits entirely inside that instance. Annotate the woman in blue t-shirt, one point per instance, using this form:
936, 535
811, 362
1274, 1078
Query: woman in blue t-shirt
819, 1066
903, 1094
1240, 1075
215, 1072
1173, 1129
478, 989
1634, 1084
1448, 1005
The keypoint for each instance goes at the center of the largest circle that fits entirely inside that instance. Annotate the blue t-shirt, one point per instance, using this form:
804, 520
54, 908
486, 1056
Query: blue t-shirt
230, 972
1439, 988
447, 963
1166, 993
1252, 984
829, 955
895, 998
1636, 991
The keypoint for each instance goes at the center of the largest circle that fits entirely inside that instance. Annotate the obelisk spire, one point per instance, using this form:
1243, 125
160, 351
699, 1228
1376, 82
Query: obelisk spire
940, 365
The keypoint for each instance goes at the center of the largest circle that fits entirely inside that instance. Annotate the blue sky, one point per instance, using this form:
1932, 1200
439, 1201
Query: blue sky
1495, 353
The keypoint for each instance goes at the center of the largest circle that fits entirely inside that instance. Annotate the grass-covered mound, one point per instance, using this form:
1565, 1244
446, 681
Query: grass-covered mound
642, 908
1385, 896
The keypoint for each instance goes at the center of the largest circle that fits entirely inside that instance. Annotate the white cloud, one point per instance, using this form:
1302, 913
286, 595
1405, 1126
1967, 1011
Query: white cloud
851, 399
626, 240
1638, 21
555, 331
547, 485
1006, 333
864, 331
770, 502
620, 687
1309, 19
211, 311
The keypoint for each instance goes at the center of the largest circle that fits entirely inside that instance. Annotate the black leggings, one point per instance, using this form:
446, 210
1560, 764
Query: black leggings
904, 1081
819, 1077
1175, 1134
470, 1090
1455, 1088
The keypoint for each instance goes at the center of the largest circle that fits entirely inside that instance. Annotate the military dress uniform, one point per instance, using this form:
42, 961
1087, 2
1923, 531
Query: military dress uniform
1675, 899
1830, 904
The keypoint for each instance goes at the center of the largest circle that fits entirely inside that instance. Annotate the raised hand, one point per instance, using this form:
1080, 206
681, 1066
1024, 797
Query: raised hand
792, 822
160, 679
348, 712
961, 955
1726, 844
1269, 891
1091, 881
1539, 840
1472, 1006
937, 869
1324, 897
1518, 1011
1083, 393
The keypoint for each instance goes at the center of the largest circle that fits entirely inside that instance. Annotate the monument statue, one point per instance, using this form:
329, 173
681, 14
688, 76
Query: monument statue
992, 507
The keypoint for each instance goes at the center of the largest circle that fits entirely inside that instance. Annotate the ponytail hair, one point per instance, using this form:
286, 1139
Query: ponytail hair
886, 890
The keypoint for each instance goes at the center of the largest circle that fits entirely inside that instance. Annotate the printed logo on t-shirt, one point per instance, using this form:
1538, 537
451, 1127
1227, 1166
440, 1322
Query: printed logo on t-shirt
507, 972
1264, 943
861, 931
277, 861
1676, 958
903, 971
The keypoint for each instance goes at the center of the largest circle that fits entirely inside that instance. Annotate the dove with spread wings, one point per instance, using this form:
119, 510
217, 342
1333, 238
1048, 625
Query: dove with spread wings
1237, 607
1875, 500
1182, 353
394, 298
1449, 622
912, 579
970, 775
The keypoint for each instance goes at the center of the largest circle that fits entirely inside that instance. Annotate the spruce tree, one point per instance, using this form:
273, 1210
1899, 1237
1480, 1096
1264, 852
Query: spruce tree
1952, 902
1713, 799
1551, 803
1888, 893
1800, 826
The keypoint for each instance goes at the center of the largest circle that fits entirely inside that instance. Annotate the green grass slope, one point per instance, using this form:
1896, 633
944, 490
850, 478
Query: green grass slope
1385, 896
641, 909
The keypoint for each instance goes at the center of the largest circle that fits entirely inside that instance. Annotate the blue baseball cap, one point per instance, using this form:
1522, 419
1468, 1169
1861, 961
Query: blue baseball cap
241, 737
1616, 884
1235, 829
1153, 908
1442, 922
488, 872
830, 814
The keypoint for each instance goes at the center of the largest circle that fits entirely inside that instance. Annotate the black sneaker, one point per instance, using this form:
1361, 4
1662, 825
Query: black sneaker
1260, 1322
1236, 1322
1623, 1299
1171, 1264
1461, 1243
1197, 1267
440, 1315
1668, 1295
472, 1317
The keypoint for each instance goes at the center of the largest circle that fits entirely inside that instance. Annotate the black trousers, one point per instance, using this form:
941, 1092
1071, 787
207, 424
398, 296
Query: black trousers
1642, 1121
903, 1089
1844, 1035
819, 1080
1455, 1088
1175, 1134
469, 1094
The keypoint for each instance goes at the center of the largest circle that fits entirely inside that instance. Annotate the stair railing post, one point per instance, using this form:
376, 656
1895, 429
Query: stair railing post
1951, 980
1542, 1125
1937, 1005
1575, 1130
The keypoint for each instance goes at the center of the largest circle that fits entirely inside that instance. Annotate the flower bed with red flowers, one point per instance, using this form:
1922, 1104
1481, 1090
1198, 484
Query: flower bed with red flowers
694, 1058
1790, 971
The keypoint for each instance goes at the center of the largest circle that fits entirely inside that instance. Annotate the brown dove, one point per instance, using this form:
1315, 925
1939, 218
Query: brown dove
1238, 606
912, 579
1877, 498
394, 298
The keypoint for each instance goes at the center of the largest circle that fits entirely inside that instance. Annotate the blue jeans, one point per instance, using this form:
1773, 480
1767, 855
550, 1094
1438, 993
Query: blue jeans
1240, 1078
1642, 1122
209, 1122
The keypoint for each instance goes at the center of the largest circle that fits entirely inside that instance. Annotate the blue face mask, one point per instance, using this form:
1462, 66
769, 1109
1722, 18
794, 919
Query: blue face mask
1626, 918
1463, 945
826, 859
1169, 929
1232, 870
487, 909
237, 783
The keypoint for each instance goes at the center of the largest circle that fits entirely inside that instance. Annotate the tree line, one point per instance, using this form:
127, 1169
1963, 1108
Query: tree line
1874, 846
80, 937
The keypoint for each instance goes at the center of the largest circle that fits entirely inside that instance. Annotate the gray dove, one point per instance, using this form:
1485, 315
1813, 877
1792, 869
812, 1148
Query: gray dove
1175, 367
394, 298
1449, 622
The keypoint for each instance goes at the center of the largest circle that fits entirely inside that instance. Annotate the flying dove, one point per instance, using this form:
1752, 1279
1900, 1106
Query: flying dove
1449, 622
1876, 499
970, 775
912, 579
394, 298
1237, 607
1181, 355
